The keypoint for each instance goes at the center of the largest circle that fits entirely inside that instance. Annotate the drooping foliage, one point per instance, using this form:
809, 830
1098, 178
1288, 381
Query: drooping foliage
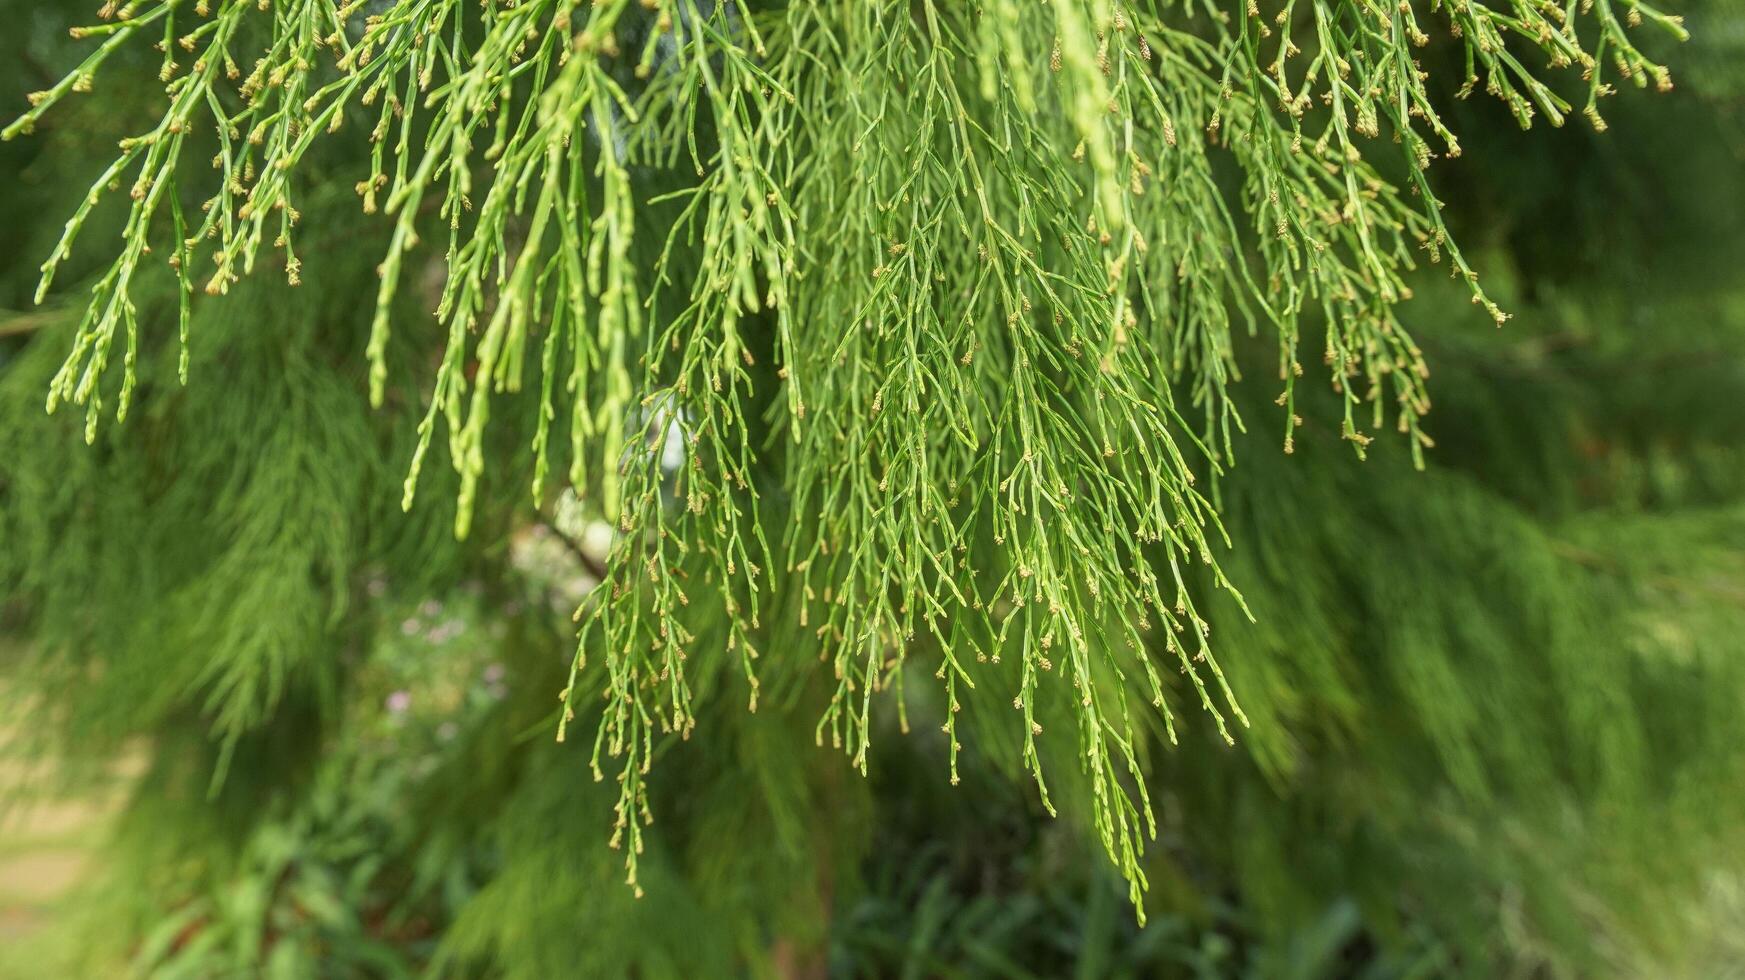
892, 356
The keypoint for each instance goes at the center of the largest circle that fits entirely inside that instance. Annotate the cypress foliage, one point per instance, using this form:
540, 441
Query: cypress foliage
879, 368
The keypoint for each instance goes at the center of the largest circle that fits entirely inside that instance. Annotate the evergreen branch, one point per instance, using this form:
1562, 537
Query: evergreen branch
987, 250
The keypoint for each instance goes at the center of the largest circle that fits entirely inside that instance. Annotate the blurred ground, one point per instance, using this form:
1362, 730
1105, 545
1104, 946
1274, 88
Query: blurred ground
46, 847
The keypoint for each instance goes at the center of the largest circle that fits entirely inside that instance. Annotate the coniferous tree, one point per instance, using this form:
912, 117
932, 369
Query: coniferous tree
900, 372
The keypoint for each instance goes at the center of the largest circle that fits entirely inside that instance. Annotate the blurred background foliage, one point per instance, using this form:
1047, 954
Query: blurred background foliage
1496, 705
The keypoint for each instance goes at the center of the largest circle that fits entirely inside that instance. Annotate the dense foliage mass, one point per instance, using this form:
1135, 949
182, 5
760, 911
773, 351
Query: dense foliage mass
891, 355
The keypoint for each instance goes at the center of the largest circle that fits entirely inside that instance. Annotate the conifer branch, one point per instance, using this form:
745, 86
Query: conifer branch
988, 250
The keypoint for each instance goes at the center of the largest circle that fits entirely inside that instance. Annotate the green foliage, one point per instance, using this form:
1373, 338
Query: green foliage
913, 163
892, 358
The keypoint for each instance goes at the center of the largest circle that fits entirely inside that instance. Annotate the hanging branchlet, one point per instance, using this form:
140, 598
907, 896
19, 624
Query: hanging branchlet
987, 246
